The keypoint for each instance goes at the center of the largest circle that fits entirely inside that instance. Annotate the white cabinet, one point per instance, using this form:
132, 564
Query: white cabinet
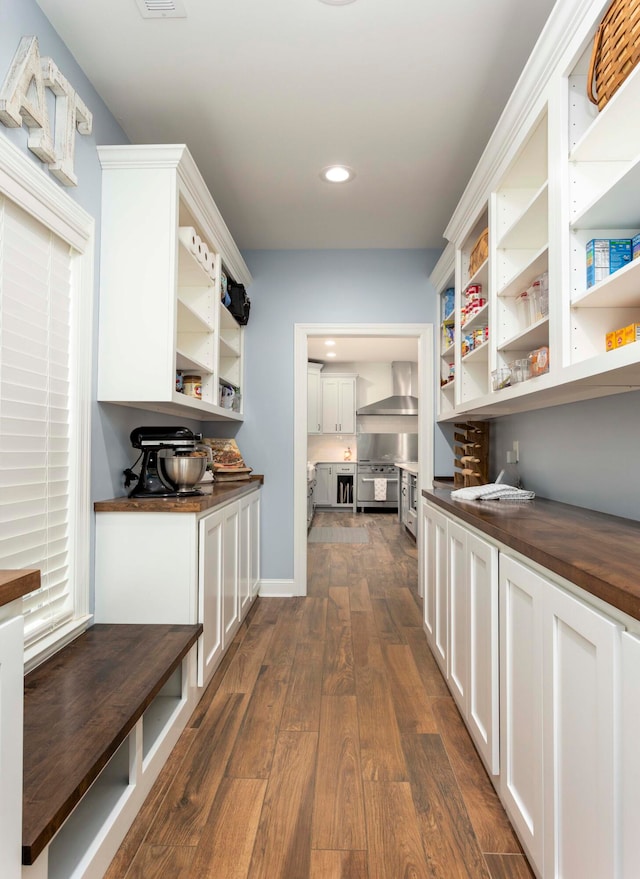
11, 698
580, 710
559, 723
314, 398
210, 574
521, 730
458, 614
436, 604
180, 568
630, 756
335, 485
325, 482
160, 308
338, 404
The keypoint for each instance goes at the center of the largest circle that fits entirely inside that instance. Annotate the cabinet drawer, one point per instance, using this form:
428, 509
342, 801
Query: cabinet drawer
345, 468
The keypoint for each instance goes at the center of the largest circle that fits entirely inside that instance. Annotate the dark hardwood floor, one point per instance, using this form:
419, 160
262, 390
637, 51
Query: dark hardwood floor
327, 745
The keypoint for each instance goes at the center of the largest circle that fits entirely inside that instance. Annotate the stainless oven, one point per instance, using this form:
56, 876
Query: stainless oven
377, 486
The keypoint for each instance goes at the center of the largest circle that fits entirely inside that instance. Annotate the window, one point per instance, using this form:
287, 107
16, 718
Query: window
45, 329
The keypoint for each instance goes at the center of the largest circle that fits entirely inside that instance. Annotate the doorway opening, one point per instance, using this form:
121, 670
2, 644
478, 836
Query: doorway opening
423, 335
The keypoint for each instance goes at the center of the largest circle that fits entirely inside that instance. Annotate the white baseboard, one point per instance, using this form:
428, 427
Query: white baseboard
278, 589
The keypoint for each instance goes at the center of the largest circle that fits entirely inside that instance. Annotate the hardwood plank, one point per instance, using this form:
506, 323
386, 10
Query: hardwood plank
282, 849
309, 651
403, 609
226, 845
160, 861
380, 747
367, 651
338, 812
138, 830
359, 598
338, 608
413, 708
385, 625
431, 676
243, 670
183, 813
395, 845
338, 676
487, 815
301, 710
450, 844
282, 647
213, 686
253, 750
268, 610
339, 865
313, 626
509, 867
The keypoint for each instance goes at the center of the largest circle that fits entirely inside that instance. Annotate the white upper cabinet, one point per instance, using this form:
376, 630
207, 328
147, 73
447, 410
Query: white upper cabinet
556, 174
338, 404
164, 247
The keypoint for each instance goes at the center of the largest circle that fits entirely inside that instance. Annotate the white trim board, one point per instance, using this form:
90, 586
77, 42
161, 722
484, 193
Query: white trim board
426, 384
277, 589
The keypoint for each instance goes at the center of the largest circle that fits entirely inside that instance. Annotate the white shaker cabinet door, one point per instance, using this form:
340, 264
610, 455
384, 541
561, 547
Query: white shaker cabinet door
254, 543
434, 526
210, 594
483, 683
581, 660
630, 757
11, 701
521, 724
458, 614
230, 578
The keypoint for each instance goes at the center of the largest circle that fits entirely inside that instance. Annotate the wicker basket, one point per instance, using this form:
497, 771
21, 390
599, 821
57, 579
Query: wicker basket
479, 253
616, 50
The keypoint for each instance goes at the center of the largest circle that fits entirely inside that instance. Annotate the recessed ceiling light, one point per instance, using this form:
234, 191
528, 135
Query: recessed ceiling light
337, 174
331, 353
329, 343
337, 2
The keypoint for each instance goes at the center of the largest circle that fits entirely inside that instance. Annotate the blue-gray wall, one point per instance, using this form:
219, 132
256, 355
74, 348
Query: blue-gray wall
582, 453
289, 287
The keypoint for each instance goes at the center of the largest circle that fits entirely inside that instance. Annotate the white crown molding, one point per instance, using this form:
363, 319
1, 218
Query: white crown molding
565, 21
34, 191
444, 268
177, 157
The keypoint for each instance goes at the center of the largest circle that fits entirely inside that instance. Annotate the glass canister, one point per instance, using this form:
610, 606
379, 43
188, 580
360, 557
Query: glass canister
192, 386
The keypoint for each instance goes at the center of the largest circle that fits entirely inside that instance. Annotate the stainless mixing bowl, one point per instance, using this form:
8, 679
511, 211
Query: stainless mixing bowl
185, 471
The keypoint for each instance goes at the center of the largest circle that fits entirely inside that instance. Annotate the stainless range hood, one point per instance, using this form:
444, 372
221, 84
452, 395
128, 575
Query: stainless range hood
404, 401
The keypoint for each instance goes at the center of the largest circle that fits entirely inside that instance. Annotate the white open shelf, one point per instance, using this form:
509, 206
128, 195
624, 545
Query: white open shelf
619, 290
191, 271
529, 338
612, 207
479, 319
192, 321
538, 263
480, 354
530, 230
185, 361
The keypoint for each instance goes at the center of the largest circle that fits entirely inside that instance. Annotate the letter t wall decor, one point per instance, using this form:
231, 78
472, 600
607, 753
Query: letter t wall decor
23, 101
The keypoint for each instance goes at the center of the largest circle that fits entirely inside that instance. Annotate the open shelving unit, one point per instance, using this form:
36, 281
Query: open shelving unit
160, 304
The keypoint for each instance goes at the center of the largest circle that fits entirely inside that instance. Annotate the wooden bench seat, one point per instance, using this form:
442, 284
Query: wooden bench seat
80, 706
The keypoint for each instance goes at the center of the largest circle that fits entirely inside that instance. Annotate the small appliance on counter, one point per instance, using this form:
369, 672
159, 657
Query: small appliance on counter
174, 475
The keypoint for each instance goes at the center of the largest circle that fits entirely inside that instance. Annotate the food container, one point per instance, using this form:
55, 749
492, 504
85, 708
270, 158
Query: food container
539, 361
192, 386
501, 378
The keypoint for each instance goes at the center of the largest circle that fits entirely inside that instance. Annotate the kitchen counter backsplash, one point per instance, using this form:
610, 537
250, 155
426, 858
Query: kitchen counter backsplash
326, 447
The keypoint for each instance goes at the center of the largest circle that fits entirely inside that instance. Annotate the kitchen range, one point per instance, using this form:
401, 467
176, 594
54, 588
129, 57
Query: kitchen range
379, 455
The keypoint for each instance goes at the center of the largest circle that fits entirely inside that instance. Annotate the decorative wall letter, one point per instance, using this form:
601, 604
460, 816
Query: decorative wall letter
23, 102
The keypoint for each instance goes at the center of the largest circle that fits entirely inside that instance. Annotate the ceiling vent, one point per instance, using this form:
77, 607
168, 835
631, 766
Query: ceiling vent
161, 8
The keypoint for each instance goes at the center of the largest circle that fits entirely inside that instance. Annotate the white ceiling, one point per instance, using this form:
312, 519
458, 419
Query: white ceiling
267, 92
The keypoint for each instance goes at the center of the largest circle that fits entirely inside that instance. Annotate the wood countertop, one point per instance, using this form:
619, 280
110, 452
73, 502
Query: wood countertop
15, 584
596, 551
218, 495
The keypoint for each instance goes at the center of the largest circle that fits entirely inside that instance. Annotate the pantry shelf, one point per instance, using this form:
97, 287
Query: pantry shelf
532, 337
619, 290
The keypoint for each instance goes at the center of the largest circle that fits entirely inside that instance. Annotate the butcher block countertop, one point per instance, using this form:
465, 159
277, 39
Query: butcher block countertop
219, 494
15, 584
596, 551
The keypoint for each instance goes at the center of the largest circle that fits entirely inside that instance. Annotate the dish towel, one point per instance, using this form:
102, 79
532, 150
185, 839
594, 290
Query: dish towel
380, 489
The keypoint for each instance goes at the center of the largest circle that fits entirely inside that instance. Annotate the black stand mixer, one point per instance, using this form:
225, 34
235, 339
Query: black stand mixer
153, 481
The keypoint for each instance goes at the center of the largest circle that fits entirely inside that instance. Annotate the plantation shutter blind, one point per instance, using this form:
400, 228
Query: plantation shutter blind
35, 405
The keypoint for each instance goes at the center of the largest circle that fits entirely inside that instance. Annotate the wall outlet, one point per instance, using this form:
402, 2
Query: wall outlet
516, 452
511, 458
